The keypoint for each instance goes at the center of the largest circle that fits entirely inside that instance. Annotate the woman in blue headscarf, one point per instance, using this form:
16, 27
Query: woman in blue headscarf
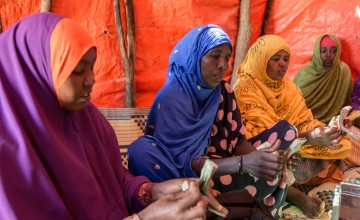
195, 116
181, 117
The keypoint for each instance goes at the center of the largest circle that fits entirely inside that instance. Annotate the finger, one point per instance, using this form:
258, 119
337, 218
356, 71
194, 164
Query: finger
273, 157
270, 178
188, 198
273, 147
271, 170
331, 130
335, 147
295, 156
198, 211
214, 192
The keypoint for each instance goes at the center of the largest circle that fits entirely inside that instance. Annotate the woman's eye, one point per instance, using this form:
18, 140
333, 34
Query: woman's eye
77, 72
215, 55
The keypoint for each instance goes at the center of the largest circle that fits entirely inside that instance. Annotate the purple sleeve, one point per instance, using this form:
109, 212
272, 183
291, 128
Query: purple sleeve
355, 103
131, 187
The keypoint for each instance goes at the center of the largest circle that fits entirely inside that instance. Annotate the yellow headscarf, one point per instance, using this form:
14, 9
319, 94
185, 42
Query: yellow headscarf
264, 101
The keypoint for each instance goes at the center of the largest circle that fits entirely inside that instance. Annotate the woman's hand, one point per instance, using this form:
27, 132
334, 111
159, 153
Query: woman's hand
172, 186
265, 164
326, 136
179, 205
293, 161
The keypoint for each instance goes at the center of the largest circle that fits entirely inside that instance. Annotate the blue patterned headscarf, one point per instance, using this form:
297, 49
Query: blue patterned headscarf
181, 117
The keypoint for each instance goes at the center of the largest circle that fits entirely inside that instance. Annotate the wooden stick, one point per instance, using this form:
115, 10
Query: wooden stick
46, 6
130, 77
243, 38
266, 17
0, 25
127, 64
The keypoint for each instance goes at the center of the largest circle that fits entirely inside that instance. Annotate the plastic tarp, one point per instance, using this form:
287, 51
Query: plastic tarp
159, 24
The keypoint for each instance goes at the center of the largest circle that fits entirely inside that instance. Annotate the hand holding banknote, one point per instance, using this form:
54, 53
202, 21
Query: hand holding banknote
203, 183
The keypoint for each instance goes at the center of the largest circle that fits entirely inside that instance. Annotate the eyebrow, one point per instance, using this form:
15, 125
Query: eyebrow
278, 55
86, 61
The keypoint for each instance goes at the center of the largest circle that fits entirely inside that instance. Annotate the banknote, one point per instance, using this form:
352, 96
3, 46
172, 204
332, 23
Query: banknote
203, 183
292, 149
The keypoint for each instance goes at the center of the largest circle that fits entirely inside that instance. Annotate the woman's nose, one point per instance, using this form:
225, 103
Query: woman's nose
90, 78
222, 63
282, 62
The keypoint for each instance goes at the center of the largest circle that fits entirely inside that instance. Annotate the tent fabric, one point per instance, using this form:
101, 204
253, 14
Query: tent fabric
160, 24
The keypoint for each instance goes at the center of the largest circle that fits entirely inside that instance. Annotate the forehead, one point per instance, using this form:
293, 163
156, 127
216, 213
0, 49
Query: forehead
327, 48
281, 53
222, 48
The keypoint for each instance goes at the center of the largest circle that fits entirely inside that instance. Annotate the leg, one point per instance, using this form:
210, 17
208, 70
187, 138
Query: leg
310, 206
282, 130
271, 194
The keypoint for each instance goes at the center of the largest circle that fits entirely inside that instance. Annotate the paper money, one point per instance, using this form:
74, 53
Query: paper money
293, 148
207, 172
352, 131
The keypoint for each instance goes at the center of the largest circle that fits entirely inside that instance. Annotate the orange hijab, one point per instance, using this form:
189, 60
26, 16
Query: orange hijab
66, 50
264, 101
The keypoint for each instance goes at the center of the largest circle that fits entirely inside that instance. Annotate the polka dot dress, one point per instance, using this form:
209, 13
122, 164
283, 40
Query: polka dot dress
228, 132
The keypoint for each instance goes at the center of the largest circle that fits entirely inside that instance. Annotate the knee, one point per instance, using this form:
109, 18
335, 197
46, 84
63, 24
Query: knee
284, 124
138, 152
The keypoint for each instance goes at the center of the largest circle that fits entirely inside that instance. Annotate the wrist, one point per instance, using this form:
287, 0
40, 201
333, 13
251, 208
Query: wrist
145, 194
240, 166
133, 217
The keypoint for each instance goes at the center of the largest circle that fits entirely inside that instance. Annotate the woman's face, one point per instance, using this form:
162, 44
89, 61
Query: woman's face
214, 64
327, 55
277, 65
75, 91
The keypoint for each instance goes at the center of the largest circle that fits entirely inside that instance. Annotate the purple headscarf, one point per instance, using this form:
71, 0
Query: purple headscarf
54, 164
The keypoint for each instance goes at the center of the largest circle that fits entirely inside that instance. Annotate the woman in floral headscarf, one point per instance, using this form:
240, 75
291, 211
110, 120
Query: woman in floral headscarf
265, 96
325, 82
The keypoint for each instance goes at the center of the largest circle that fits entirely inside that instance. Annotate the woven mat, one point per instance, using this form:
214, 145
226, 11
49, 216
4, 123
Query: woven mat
325, 192
128, 123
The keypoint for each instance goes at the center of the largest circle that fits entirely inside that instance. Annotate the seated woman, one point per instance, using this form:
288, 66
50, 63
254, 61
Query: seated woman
325, 82
353, 158
59, 156
195, 102
266, 96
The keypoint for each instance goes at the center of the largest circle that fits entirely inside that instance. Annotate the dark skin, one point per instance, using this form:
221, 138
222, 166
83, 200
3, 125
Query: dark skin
260, 163
180, 205
325, 136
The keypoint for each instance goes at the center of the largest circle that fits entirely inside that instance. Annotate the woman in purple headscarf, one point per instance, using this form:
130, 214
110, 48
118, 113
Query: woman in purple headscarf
58, 154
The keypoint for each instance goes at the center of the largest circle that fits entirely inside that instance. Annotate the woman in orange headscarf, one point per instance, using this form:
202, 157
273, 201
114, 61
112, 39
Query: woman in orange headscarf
265, 96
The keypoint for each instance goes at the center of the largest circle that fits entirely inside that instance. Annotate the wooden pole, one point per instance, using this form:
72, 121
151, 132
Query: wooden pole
243, 38
266, 17
130, 77
0, 25
129, 69
46, 6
